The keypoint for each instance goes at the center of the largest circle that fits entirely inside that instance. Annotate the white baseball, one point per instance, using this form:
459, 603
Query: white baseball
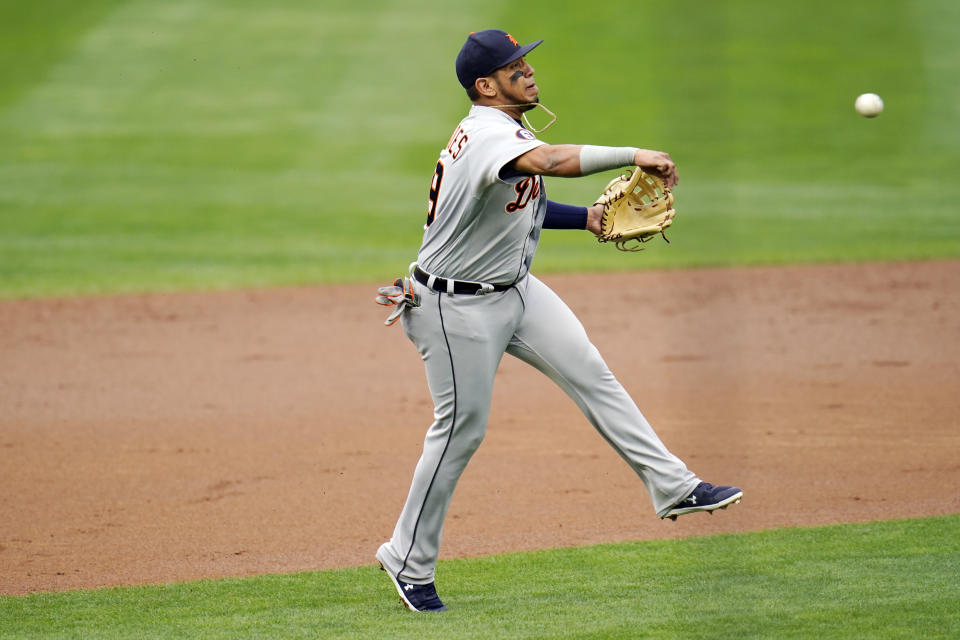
868, 105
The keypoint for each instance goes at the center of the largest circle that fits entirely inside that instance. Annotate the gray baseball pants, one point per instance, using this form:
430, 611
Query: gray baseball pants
461, 339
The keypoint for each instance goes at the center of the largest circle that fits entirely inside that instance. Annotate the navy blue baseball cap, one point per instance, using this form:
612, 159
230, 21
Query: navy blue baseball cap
486, 51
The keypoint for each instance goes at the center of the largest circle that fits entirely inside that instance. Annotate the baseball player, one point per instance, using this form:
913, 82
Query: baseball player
472, 298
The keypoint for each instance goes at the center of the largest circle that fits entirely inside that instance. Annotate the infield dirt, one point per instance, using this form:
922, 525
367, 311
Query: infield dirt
160, 438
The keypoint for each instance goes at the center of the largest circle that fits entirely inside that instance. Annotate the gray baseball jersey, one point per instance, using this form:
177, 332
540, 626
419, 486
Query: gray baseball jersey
481, 227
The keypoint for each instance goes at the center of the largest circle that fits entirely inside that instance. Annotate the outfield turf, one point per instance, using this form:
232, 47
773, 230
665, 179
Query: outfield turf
154, 145
893, 579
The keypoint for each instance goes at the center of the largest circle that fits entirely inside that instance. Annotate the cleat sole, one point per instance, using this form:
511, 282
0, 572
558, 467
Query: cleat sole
708, 510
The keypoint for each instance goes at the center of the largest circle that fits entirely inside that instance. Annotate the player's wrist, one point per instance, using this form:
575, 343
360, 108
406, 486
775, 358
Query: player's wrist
594, 159
594, 219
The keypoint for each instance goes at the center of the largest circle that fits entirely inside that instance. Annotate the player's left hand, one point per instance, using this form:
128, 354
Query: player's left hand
595, 219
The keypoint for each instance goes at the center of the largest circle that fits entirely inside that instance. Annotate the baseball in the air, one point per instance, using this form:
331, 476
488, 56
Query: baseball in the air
869, 105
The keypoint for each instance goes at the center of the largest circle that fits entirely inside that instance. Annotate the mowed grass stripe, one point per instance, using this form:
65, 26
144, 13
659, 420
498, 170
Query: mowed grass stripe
34, 36
892, 579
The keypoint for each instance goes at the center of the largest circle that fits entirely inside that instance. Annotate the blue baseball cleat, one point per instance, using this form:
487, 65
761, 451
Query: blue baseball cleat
706, 497
416, 597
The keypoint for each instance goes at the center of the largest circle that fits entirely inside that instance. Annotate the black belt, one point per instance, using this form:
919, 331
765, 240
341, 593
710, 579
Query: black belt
459, 286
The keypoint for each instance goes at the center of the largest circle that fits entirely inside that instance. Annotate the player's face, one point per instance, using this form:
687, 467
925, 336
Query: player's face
516, 84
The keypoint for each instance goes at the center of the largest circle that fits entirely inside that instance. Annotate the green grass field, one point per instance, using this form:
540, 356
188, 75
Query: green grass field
884, 580
202, 144
209, 144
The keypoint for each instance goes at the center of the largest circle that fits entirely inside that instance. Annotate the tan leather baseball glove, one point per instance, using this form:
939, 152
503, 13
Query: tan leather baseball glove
636, 207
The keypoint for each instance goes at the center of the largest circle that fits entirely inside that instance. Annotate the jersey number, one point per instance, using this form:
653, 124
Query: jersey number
434, 193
